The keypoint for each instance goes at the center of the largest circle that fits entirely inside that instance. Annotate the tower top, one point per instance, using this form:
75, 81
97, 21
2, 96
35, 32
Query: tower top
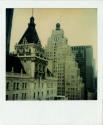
58, 26
30, 34
32, 19
32, 22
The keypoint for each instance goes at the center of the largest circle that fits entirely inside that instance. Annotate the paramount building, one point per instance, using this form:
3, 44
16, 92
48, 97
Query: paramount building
63, 65
33, 73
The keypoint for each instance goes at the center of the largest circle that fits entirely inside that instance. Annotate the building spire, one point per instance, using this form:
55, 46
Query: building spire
30, 34
32, 19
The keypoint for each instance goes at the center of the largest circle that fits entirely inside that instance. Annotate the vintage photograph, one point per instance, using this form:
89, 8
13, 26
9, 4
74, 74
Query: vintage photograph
51, 54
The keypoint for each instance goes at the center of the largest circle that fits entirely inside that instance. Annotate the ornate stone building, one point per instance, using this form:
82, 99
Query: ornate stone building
28, 75
63, 65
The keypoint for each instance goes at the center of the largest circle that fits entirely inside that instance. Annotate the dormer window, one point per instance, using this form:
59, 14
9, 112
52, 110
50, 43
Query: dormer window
24, 40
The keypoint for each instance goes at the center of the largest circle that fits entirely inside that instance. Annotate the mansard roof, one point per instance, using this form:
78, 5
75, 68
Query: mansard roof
30, 35
14, 63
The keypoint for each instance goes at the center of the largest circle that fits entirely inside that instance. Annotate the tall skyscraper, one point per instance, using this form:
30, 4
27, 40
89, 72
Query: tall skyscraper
62, 63
84, 58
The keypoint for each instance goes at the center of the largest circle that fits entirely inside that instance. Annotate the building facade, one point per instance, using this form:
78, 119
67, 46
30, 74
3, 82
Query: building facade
63, 65
28, 75
22, 87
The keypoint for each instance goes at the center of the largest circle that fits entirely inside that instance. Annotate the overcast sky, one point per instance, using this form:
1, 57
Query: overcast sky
79, 25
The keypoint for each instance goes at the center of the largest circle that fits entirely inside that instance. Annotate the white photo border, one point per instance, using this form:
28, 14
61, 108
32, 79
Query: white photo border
51, 112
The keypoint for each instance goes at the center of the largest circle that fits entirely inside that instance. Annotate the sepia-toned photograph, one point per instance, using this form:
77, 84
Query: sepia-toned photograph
51, 54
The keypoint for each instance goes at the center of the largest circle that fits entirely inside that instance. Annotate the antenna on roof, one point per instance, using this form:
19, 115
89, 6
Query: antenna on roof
32, 12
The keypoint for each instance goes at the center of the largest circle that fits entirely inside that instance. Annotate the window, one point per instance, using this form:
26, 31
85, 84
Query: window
15, 97
38, 94
14, 86
22, 85
25, 85
72, 76
7, 86
42, 93
39, 84
7, 97
34, 95
47, 92
42, 84
51, 91
23, 96
17, 86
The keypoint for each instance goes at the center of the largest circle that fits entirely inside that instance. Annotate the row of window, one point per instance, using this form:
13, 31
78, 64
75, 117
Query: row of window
42, 94
61, 82
73, 97
72, 84
60, 77
61, 93
23, 51
16, 86
24, 95
16, 96
49, 85
72, 88
39, 85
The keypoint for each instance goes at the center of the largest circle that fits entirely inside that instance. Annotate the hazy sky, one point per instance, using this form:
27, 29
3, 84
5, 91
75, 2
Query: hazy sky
79, 25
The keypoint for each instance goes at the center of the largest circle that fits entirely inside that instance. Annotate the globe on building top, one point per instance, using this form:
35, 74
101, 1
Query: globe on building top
58, 26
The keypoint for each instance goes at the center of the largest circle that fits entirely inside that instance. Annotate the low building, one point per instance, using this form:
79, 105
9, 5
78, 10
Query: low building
22, 87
